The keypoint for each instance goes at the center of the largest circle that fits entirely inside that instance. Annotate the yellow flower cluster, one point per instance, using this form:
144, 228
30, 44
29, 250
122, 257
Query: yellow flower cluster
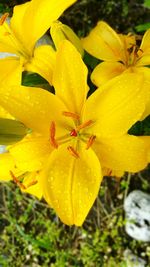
61, 145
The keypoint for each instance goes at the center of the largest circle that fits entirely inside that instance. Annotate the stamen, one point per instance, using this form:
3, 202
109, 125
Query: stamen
84, 125
72, 115
3, 18
7, 33
15, 179
73, 152
73, 133
109, 172
90, 141
31, 183
52, 135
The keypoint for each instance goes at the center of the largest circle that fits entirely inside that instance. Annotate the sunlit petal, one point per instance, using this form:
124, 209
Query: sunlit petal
105, 71
145, 42
35, 107
117, 105
38, 18
72, 187
126, 153
43, 62
31, 153
7, 164
70, 77
104, 43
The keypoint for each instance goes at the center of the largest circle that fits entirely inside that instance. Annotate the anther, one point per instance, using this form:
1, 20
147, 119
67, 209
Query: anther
84, 125
90, 141
34, 182
72, 115
3, 18
7, 33
73, 133
16, 181
109, 172
52, 135
73, 152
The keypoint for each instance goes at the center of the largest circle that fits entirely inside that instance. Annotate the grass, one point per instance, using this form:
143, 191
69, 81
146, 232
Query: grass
30, 232
32, 235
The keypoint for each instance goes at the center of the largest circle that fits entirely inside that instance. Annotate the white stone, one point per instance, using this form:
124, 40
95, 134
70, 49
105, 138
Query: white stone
2, 149
137, 214
133, 260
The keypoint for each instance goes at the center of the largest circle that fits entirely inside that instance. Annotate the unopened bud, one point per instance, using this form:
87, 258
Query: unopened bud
60, 32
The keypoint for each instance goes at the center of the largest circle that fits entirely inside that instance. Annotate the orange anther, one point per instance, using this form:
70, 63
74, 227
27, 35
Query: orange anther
52, 135
3, 18
90, 141
109, 172
84, 125
15, 179
72, 115
7, 33
31, 183
73, 152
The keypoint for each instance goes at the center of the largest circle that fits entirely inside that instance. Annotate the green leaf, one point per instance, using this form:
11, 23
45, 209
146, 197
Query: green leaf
11, 131
35, 80
142, 27
147, 3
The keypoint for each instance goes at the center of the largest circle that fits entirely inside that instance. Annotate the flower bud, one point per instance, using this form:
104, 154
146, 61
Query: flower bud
60, 32
11, 131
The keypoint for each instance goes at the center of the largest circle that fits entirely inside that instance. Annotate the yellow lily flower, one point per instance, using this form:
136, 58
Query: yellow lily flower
72, 137
119, 53
28, 23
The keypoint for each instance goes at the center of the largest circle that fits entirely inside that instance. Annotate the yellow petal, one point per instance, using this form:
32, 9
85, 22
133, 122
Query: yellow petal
110, 172
31, 188
31, 153
7, 164
60, 32
43, 62
8, 42
128, 40
11, 70
146, 88
147, 110
36, 108
70, 77
38, 18
116, 106
16, 25
11, 74
145, 42
144, 60
4, 114
146, 140
72, 187
126, 153
105, 71
104, 43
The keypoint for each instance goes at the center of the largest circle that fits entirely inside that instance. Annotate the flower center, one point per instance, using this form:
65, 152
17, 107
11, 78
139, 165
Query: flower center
79, 132
133, 55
